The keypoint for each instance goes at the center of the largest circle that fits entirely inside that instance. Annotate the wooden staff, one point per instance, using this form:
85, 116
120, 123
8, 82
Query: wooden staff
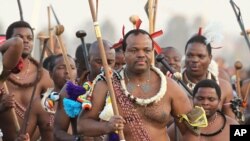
105, 64
151, 17
238, 67
42, 36
51, 39
54, 13
155, 12
59, 31
27, 113
12, 110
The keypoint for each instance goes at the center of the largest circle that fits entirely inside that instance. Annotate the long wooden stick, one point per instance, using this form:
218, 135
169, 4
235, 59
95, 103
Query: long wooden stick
155, 13
59, 31
27, 113
51, 39
105, 65
238, 66
150, 16
151, 22
41, 36
54, 13
17, 126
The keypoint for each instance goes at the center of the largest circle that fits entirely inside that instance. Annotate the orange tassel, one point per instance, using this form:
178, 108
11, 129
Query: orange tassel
244, 104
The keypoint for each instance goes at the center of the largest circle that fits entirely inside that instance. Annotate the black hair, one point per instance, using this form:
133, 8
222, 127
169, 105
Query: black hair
52, 63
207, 83
135, 32
47, 62
79, 54
17, 24
199, 39
170, 47
118, 50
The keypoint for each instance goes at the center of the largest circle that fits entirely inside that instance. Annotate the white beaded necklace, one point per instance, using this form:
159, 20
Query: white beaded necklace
154, 99
191, 85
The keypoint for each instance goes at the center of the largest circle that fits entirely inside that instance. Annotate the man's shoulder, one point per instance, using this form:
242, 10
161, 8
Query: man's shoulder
43, 70
224, 84
45, 74
174, 89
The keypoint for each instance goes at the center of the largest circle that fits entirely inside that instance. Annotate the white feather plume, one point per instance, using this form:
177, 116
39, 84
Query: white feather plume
213, 34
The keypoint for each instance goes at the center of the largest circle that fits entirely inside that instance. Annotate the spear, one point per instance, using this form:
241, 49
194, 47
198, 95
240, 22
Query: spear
240, 21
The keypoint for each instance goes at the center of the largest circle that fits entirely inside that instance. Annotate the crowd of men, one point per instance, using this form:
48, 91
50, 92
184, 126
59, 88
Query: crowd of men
60, 98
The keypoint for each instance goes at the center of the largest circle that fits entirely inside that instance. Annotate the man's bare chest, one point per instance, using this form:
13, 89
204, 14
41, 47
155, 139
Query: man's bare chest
158, 113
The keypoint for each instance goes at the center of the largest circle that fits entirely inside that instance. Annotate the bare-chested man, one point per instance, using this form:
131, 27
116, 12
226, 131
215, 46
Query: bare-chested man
198, 55
207, 94
21, 85
62, 120
59, 74
145, 97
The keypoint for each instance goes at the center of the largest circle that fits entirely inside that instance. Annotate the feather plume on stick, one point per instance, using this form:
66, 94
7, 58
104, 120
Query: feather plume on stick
213, 34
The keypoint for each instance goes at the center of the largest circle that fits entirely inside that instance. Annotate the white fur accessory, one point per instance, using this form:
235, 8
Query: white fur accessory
213, 34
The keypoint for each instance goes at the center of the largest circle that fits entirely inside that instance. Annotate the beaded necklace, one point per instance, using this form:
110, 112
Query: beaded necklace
191, 85
154, 99
20, 110
212, 122
218, 131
